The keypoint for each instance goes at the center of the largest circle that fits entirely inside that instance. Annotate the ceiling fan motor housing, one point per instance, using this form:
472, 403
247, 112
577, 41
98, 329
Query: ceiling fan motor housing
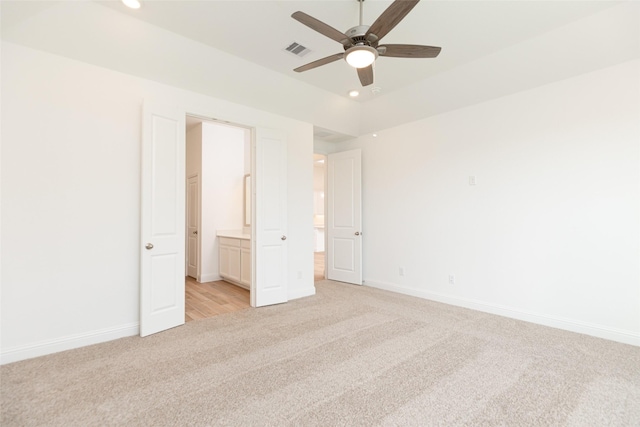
357, 36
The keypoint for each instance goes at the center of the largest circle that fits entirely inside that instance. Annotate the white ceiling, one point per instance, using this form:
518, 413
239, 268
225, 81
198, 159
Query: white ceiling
489, 49
259, 31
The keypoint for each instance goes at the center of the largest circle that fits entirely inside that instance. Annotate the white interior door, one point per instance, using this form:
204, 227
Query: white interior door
193, 209
344, 225
162, 257
269, 277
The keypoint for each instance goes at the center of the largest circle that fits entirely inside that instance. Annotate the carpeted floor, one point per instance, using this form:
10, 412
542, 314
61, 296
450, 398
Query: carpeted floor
348, 356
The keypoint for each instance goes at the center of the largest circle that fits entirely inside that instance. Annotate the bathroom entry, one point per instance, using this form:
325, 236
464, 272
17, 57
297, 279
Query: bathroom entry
163, 224
218, 162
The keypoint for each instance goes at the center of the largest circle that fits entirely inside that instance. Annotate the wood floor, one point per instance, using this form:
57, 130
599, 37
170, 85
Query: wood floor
318, 264
203, 300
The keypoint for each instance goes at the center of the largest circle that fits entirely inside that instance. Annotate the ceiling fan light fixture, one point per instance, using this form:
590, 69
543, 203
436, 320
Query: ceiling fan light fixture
133, 4
361, 56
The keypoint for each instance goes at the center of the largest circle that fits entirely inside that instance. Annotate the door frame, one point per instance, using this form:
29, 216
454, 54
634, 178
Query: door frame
208, 117
325, 189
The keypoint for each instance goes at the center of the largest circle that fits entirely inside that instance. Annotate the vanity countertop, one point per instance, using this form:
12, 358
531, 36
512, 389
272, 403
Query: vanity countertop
234, 234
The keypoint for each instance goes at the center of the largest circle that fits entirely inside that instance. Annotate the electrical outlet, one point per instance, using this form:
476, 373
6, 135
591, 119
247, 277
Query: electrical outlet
472, 180
401, 271
452, 279
299, 274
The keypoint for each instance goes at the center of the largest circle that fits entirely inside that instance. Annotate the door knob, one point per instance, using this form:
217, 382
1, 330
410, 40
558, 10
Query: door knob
283, 238
357, 233
195, 232
149, 246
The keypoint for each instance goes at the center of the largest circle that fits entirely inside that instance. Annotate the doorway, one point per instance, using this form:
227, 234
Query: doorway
163, 223
319, 210
218, 160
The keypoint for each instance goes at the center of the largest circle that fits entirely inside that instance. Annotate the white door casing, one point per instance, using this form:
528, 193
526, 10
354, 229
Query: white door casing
269, 242
162, 256
193, 210
344, 217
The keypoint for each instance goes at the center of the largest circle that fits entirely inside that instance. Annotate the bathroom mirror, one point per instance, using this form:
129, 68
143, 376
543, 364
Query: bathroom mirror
247, 200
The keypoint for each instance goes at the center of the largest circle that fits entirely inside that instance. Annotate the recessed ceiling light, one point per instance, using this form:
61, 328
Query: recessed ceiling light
353, 93
133, 4
375, 135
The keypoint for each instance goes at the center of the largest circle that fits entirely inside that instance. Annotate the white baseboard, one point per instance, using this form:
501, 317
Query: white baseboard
301, 293
67, 343
626, 337
209, 278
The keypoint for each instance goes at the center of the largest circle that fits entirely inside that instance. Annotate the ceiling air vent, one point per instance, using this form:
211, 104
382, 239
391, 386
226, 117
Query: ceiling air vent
297, 49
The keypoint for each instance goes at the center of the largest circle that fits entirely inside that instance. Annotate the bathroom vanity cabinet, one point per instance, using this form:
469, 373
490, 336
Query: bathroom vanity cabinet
235, 257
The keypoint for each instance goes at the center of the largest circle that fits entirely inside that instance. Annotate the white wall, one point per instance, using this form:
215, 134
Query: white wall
551, 231
194, 151
318, 192
247, 171
96, 34
71, 198
223, 164
324, 147
559, 53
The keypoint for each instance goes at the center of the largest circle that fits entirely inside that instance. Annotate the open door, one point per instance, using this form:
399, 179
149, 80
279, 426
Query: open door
269, 281
193, 212
162, 269
344, 225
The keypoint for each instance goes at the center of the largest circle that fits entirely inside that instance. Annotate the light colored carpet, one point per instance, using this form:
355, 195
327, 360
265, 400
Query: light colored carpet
348, 356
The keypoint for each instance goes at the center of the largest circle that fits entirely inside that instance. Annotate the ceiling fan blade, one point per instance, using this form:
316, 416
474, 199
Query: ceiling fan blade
319, 62
408, 51
322, 28
366, 75
391, 17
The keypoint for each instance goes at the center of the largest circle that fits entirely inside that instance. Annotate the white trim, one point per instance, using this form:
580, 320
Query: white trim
613, 334
209, 278
301, 293
69, 342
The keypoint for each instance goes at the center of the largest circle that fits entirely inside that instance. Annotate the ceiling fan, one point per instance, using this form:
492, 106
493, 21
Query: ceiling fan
360, 43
